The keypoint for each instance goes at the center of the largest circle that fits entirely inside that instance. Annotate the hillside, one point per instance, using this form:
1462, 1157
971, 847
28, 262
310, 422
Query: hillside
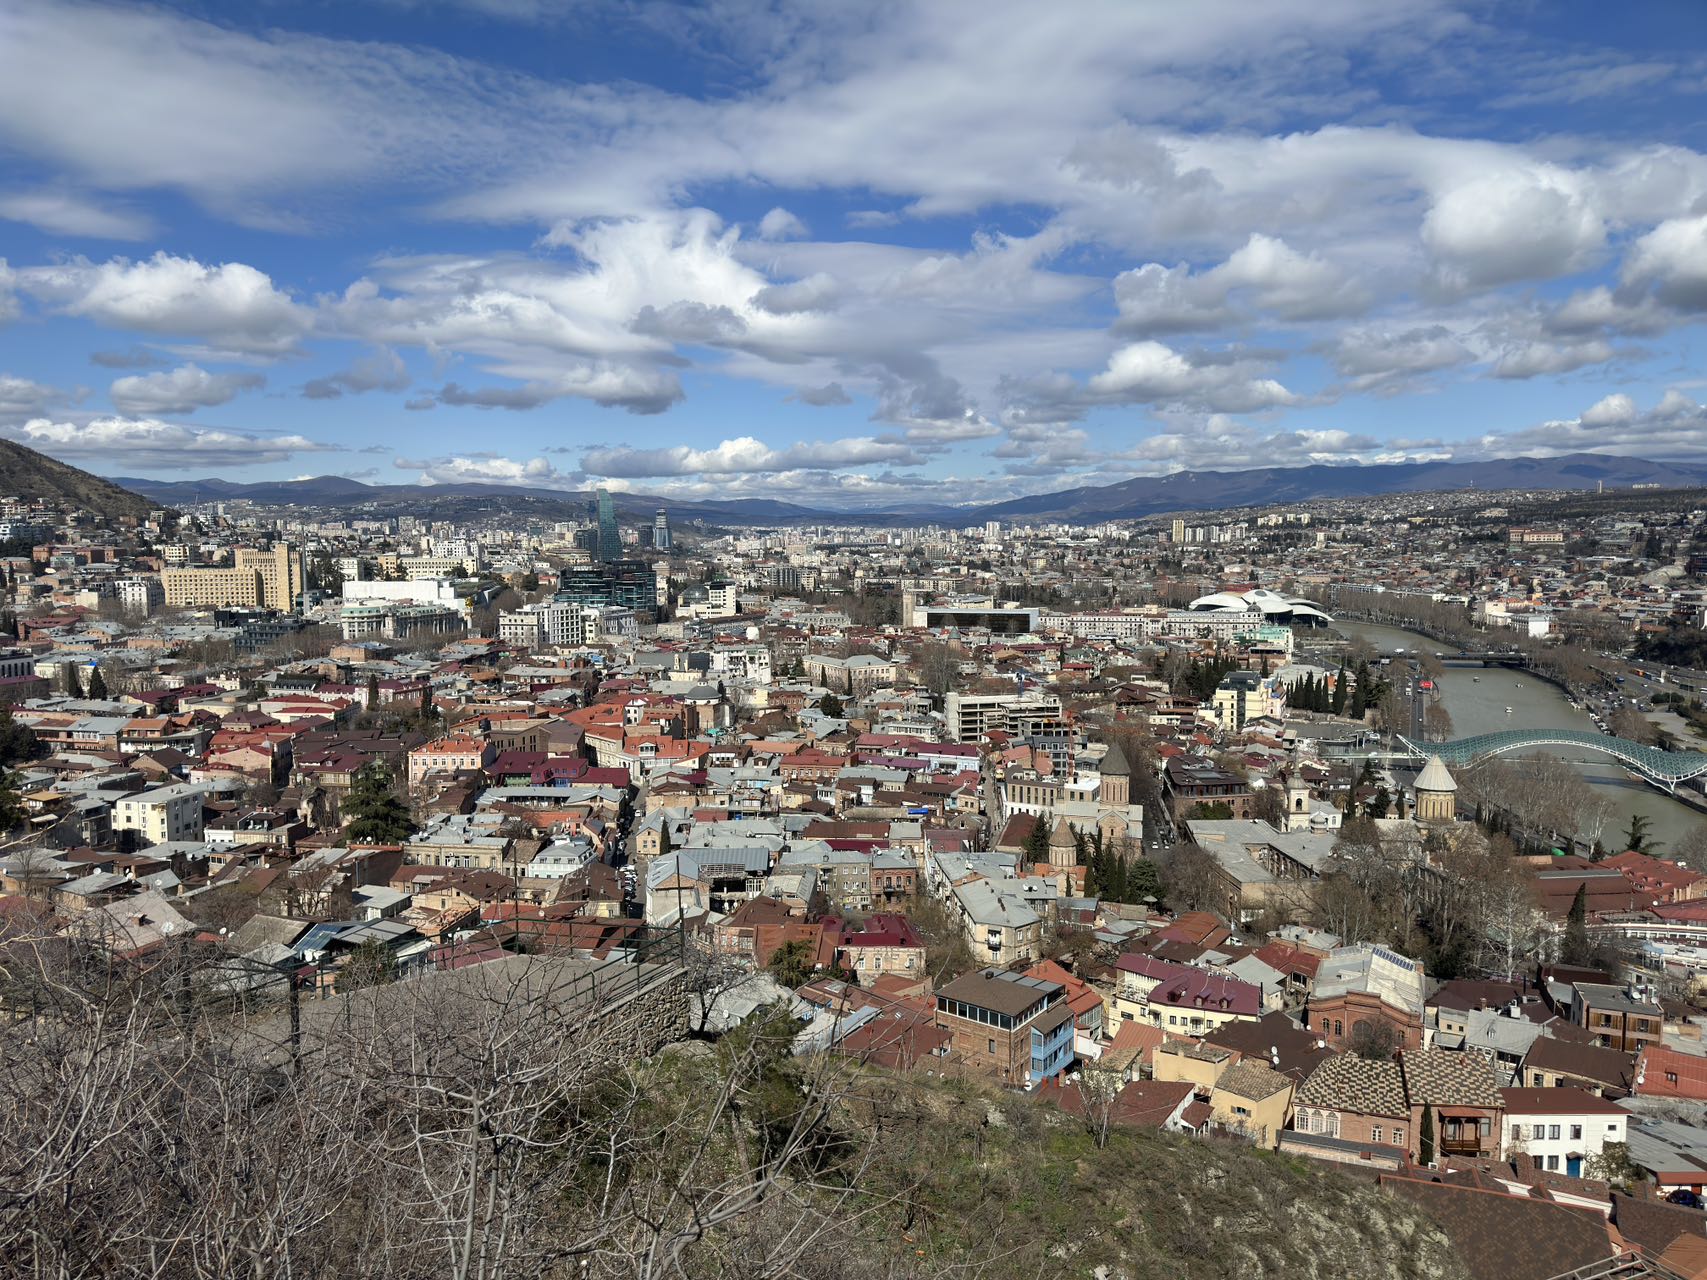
24, 473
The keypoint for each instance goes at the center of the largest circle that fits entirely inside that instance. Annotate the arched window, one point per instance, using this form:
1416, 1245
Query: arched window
1339, 1027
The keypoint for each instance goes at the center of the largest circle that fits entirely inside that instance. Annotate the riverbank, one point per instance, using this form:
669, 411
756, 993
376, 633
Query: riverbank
1477, 698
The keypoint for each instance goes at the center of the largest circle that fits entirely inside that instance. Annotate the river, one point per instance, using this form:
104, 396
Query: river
1477, 700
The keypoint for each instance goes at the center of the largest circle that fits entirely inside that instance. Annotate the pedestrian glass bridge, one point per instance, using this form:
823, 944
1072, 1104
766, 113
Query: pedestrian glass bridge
1663, 768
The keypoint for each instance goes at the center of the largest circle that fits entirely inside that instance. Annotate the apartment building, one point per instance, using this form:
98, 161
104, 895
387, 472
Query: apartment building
1018, 1028
1624, 1018
971, 715
270, 579
161, 814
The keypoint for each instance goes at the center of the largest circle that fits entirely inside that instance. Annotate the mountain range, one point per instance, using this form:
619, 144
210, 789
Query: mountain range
1126, 500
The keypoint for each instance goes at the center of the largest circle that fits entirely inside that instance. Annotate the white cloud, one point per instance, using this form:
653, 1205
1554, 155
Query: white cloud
1672, 260
61, 213
149, 444
1674, 428
746, 454
1280, 283
230, 307
1380, 359
1150, 373
1609, 411
780, 224
486, 468
181, 390
1513, 224
1533, 359
20, 397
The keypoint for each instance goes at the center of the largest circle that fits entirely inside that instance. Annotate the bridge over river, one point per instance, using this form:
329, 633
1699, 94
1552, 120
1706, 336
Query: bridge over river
1665, 769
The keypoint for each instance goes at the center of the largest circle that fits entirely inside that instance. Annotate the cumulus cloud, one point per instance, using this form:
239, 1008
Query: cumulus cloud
1151, 373
1513, 224
1672, 261
487, 468
381, 370
230, 307
21, 397
149, 444
780, 224
181, 390
1609, 411
746, 454
817, 292
1533, 359
1381, 359
1279, 282
1676, 427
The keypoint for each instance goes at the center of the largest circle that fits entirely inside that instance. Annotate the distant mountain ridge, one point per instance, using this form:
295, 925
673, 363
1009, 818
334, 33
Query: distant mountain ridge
26, 473
1215, 490
1126, 500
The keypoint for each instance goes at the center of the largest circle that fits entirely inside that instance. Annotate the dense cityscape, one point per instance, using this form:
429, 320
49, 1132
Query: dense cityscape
934, 640
1143, 826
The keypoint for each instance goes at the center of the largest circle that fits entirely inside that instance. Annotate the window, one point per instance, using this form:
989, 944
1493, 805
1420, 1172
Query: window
1484, 1127
1517, 1133
1375, 1133
992, 1046
1553, 1163
1576, 1132
1339, 1028
1538, 1132
1398, 1137
1553, 1132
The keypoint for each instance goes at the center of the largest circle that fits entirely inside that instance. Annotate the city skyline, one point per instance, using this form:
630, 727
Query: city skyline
939, 253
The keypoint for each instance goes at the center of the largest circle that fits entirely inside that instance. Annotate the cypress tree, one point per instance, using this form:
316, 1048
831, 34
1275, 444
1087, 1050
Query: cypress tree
97, 684
1425, 1143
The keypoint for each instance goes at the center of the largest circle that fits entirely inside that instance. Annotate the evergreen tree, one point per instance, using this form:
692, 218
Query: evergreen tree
97, 684
1576, 948
373, 812
429, 713
11, 807
1425, 1139
1636, 837
1037, 843
17, 742
73, 684
830, 705
373, 691
1338, 705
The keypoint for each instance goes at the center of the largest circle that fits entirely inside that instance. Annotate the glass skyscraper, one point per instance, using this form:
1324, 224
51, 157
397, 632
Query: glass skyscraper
610, 539
661, 530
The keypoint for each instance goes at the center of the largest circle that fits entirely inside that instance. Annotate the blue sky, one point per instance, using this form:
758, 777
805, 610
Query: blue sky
852, 255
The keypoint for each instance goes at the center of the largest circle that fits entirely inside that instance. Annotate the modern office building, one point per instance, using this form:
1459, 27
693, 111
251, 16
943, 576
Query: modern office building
629, 583
610, 537
661, 530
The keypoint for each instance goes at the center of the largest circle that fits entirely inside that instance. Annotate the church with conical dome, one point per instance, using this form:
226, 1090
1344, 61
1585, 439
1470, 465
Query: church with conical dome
1436, 793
